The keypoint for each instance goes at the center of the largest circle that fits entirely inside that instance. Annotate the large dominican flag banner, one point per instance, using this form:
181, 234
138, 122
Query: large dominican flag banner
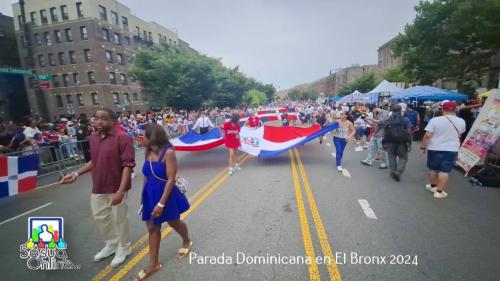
193, 141
17, 174
273, 114
268, 141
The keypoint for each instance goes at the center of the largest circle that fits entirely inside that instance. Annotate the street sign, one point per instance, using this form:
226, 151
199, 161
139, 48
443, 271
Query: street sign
13, 70
46, 77
44, 84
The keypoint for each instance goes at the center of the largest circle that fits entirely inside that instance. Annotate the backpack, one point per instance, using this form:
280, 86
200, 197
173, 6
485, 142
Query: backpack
394, 130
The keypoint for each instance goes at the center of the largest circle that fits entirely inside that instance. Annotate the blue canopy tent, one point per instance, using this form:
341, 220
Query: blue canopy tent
428, 93
334, 99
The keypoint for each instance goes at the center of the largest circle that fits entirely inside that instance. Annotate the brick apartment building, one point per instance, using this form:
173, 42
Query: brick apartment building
86, 47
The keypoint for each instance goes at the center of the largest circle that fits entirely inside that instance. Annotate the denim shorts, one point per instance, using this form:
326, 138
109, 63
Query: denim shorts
441, 161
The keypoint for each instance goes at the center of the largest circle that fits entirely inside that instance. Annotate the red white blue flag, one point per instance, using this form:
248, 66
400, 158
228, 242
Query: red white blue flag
17, 174
192, 141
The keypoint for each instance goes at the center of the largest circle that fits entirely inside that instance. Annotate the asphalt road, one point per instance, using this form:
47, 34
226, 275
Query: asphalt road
281, 210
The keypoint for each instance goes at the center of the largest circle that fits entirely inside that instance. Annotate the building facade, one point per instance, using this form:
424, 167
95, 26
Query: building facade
13, 101
386, 58
86, 49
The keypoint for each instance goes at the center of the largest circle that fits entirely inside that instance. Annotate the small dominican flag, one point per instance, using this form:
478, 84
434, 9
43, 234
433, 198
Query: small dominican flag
17, 174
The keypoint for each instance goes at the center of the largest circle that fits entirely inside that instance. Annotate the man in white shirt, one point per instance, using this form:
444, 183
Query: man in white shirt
442, 142
204, 123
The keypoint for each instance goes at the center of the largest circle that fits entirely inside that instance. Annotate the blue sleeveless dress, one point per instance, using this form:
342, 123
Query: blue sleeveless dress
177, 202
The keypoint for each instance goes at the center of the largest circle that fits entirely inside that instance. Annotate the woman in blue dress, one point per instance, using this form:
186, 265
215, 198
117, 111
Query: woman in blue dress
162, 201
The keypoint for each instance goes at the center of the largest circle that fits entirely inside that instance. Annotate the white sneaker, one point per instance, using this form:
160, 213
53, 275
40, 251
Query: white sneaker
231, 171
339, 168
430, 187
121, 254
237, 167
105, 252
440, 195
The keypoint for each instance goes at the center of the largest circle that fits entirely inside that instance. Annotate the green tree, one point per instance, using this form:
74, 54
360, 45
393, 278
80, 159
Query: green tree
364, 83
173, 77
294, 94
309, 95
450, 40
395, 75
255, 98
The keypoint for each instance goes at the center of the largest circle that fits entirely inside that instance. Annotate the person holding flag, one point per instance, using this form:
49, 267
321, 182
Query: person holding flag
231, 135
253, 121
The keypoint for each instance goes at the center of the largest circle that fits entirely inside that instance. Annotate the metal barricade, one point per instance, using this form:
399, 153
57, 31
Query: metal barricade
73, 154
48, 162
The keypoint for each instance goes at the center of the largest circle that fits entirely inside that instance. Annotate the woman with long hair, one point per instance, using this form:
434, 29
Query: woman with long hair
162, 201
231, 132
344, 133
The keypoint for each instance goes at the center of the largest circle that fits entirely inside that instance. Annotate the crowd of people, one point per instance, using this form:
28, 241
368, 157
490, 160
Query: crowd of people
386, 131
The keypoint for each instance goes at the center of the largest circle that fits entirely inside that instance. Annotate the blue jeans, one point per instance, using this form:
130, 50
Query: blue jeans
376, 145
340, 144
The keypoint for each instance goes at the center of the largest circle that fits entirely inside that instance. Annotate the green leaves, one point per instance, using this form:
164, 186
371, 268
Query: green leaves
450, 40
363, 83
173, 77
255, 98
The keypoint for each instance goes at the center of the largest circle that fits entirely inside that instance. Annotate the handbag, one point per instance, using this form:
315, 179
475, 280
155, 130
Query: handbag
180, 182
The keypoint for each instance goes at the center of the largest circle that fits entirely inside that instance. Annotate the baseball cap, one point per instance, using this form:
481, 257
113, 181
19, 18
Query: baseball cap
449, 106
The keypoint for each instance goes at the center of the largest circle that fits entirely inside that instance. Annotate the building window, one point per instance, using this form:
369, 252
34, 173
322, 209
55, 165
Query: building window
91, 76
69, 35
48, 40
123, 78
43, 16
65, 80
61, 58
105, 34
69, 99
119, 58
116, 98
95, 98
125, 23
34, 21
137, 31
126, 97
150, 36
41, 60
38, 40
24, 42
76, 79
109, 57
117, 38
88, 55
83, 33
53, 14
57, 36
114, 18
135, 97
59, 101
64, 12
112, 78
127, 40
20, 21
79, 9
102, 13
72, 57
79, 98
145, 33
55, 81
52, 60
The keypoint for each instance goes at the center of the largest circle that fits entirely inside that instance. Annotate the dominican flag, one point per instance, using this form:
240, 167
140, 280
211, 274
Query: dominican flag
193, 141
268, 141
17, 174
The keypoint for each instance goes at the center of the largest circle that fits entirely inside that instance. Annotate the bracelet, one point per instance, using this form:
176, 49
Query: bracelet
76, 174
160, 205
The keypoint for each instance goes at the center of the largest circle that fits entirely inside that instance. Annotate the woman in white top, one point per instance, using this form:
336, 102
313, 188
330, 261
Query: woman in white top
344, 133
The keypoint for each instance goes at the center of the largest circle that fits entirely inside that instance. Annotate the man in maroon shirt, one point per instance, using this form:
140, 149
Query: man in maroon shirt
112, 158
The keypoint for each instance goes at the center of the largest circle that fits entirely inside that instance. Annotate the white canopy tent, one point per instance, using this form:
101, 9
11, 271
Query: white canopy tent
385, 87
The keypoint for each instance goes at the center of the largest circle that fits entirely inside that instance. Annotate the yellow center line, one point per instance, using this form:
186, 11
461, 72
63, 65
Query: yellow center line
137, 258
103, 273
304, 225
320, 229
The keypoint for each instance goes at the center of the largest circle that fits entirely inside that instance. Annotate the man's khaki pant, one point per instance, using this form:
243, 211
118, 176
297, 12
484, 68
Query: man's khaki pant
112, 221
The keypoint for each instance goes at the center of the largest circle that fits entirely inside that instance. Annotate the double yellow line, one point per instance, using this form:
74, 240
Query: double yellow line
197, 198
314, 274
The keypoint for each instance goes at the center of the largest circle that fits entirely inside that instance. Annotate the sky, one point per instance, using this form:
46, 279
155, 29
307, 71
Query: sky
283, 42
